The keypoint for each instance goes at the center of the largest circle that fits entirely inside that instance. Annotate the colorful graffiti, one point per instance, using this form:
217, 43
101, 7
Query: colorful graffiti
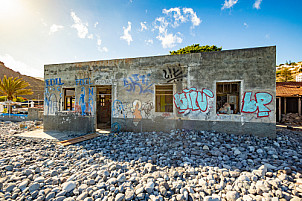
191, 99
258, 104
85, 81
82, 107
173, 74
147, 107
142, 82
136, 111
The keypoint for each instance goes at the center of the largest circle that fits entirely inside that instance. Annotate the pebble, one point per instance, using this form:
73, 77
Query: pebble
180, 165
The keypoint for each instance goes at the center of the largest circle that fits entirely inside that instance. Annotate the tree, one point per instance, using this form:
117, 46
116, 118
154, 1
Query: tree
286, 75
13, 87
195, 48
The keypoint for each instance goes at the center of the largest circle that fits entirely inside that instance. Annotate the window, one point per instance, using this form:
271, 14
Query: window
227, 97
69, 99
164, 98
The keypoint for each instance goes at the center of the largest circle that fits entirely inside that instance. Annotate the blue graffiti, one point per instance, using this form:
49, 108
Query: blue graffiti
141, 82
53, 82
82, 101
85, 81
191, 99
50, 104
115, 127
90, 101
258, 105
118, 108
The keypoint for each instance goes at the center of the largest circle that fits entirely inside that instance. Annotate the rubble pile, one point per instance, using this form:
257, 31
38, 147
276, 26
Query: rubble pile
10, 128
180, 165
291, 119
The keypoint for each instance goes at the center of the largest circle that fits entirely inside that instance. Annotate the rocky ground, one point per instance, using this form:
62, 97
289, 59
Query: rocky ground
180, 165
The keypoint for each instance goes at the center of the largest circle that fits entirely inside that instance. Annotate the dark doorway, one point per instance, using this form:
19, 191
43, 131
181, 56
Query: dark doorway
103, 106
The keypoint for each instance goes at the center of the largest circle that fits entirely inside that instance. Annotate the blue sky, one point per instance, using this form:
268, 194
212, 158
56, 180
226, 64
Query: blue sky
38, 32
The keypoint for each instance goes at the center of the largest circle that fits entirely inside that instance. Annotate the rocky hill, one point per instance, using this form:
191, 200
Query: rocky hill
37, 85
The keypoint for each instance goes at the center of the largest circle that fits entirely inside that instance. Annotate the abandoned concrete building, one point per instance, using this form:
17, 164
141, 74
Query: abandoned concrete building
230, 91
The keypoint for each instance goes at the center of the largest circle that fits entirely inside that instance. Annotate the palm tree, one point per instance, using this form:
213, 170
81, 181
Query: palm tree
13, 87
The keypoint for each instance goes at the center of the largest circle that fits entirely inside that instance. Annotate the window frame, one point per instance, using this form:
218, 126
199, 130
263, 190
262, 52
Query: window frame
229, 96
168, 94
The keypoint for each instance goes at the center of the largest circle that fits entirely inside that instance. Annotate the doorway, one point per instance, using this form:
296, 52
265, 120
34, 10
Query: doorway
103, 108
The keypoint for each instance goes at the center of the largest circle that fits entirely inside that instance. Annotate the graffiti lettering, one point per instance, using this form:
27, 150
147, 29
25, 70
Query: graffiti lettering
53, 82
85, 81
115, 127
191, 99
82, 107
141, 82
173, 75
118, 109
258, 105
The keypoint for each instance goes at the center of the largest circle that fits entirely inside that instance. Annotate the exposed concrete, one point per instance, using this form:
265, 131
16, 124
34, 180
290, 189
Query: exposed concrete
133, 83
35, 114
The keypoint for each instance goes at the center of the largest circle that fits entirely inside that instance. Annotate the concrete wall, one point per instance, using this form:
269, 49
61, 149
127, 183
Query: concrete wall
133, 82
35, 114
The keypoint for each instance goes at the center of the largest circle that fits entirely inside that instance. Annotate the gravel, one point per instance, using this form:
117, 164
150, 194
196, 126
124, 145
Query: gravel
180, 165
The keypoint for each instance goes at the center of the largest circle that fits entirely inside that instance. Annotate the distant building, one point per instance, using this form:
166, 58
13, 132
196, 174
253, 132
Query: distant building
288, 98
299, 77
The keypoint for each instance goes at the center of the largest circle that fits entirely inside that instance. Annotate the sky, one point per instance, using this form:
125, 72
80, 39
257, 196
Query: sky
38, 32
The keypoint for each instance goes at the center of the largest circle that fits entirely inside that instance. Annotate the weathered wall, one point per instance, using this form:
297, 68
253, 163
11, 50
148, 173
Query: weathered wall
35, 114
194, 78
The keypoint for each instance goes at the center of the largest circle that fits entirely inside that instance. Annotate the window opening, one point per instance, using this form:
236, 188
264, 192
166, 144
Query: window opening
227, 97
164, 98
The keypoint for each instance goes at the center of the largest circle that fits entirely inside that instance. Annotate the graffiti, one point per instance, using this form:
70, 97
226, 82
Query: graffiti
141, 82
147, 107
258, 104
85, 81
51, 103
191, 99
166, 115
118, 109
82, 107
115, 127
104, 82
82, 101
173, 75
53, 82
136, 111
90, 101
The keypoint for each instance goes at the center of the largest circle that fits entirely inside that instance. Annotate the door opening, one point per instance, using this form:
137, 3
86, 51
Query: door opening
103, 119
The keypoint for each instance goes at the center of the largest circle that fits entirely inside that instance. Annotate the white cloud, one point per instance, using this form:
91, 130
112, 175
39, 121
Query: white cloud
95, 24
176, 13
43, 22
229, 4
90, 36
79, 26
143, 26
257, 4
245, 25
194, 19
149, 42
168, 40
54, 28
127, 37
19, 66
103, 49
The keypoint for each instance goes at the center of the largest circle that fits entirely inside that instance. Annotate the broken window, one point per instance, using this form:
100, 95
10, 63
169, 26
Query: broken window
227, 97
69, 99
164, 98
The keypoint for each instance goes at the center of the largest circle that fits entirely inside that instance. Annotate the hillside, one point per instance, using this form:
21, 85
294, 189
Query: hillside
37, 85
